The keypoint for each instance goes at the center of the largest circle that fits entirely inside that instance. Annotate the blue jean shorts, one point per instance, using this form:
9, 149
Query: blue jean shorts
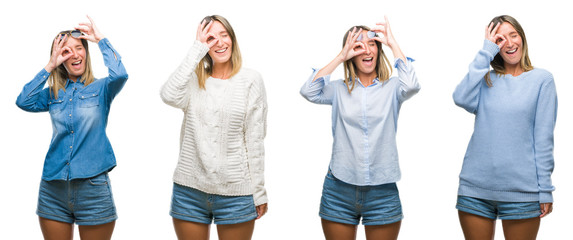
346, 203
86, 201
192, 205
496, 209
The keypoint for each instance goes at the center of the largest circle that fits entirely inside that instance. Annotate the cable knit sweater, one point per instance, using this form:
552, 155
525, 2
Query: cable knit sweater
224, 125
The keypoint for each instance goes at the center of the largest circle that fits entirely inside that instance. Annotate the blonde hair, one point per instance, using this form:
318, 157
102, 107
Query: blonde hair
205, 67
383, 69
497, 63
59, 76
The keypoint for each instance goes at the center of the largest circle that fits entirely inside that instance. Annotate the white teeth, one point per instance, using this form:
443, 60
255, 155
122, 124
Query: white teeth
512, 51
367, 59
76, 63
221, 51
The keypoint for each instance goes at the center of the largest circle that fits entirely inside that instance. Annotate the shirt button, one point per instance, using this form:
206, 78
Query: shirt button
72, 131
70, 146
70, 99
70, 115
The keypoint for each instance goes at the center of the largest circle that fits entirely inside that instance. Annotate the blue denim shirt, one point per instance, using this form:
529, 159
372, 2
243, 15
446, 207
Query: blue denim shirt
79, 147
364, 124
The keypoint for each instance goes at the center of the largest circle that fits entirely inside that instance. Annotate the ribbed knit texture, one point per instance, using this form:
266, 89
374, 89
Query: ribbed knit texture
510, 155
224, 126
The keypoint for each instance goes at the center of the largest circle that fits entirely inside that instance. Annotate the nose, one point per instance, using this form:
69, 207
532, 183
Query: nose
74, 53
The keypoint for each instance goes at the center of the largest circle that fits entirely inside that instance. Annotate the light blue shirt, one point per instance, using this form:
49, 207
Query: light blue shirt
364, 124
79, 147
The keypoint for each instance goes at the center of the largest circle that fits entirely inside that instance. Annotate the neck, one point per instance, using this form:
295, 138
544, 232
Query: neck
222, 70
515, 70
366, 78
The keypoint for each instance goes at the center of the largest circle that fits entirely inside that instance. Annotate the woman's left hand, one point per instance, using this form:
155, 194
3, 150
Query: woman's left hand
386, 31
90, 31
388, 38
261, 210
546, 209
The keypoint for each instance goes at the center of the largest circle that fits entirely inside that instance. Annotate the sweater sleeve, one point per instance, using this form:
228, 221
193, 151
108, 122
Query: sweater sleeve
318, 91
255, 131
117, 73
175, 91
545, 117
409, 85
34, 97
467, 93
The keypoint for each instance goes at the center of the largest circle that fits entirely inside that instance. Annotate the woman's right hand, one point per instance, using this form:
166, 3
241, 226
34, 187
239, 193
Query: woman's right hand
60, 53
491, 34
204, 36
352, 47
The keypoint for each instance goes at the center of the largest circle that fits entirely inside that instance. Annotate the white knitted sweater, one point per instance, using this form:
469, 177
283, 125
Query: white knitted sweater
224, 125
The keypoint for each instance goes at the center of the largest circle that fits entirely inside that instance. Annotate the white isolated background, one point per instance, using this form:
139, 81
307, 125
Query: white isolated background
283, 41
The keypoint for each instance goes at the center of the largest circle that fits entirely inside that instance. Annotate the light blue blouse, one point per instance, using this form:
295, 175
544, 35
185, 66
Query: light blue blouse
364, 124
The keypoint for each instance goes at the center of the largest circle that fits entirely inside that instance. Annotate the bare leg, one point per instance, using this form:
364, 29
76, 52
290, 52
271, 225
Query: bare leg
523, 229
97, 232
56, 230
379, 232
239, 231
338, 231
476, 227
186, 230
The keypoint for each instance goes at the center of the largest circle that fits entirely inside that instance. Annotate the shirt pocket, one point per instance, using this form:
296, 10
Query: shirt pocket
55, 105
88, 100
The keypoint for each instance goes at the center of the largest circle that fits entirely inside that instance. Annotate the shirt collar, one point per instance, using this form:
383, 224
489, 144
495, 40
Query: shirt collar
374, 82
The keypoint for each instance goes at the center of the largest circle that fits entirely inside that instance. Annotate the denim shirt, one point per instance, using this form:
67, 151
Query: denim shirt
364, 124
79, 147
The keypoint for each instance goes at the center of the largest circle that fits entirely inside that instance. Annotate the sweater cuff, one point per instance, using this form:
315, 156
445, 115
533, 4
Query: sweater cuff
490, 47
545, 197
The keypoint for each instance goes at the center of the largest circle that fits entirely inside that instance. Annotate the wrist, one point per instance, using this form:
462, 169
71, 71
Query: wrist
49, 68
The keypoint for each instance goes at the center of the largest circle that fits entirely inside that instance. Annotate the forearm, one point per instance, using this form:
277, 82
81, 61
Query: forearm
175, 89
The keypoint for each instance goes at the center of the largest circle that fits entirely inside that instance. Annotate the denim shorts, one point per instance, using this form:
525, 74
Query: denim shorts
192, 205
87, 201
496, 209
346, 203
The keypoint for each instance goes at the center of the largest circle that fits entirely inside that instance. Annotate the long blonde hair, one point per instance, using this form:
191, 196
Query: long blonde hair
205, 67
383, 69
59, 76
497, 63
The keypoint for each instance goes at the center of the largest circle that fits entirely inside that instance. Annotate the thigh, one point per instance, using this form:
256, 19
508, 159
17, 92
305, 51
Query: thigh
56, 230
190, 205
477, 206
476, 227
186, 230
339, 201
94, 204
54, 201
383, 232
239, 231
522, 229
97, 232
233, 209
381, 204
338, 231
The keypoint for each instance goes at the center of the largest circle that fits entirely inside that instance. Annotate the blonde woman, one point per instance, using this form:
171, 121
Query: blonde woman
361, 180
507, 169
75, 186
220, 173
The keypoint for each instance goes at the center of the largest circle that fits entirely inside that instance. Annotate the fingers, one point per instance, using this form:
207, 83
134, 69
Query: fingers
546, 209
261, 210
500, 40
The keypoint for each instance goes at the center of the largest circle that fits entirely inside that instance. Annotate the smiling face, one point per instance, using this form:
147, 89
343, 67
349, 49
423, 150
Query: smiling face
512, 51
366, 63
221, 51
76, 64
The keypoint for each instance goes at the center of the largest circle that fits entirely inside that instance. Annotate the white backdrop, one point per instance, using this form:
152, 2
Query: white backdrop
281, 40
